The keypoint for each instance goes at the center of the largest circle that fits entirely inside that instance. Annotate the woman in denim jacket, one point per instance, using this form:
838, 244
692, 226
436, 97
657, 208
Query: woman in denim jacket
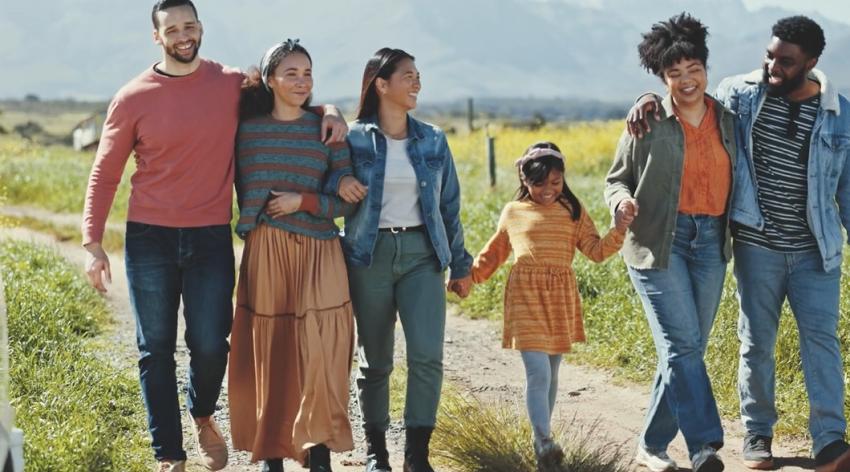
398, 244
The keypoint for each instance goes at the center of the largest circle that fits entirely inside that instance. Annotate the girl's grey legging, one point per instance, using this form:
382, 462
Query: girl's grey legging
541, 374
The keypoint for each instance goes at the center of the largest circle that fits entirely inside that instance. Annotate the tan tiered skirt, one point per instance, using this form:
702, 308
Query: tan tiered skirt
291, 347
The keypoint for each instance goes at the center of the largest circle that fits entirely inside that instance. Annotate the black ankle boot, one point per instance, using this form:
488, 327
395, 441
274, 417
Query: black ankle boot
320, 459
416, 449
273, 465
377, 457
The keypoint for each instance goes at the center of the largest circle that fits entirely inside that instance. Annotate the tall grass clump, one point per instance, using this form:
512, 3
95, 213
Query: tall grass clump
77, 413
473, 436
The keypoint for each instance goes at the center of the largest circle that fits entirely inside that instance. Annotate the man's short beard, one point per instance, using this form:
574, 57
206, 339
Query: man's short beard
788, 85
177, 57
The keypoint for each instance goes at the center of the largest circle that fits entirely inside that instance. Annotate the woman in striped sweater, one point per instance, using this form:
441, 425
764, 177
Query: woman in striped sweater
543, 228
293, 330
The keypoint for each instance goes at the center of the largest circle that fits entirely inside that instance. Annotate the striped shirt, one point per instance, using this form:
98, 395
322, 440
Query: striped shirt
288, 156
781, 136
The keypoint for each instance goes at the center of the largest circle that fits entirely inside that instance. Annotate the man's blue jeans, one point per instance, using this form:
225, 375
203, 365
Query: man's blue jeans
680, 303
164, 264
765, 279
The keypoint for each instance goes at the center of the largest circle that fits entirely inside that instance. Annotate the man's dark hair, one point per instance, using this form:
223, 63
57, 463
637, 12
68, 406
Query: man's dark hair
166, 4
802, 31
668, 42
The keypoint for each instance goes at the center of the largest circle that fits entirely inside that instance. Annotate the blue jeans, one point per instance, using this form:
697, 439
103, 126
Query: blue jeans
680, 303
541, 389
164, 264
765, 279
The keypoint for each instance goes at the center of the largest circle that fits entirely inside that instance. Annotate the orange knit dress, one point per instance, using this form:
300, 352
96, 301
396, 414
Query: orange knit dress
542, 302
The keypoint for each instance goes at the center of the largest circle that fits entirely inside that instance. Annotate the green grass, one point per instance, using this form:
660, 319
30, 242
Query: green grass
77, 413
618, 336
52, 177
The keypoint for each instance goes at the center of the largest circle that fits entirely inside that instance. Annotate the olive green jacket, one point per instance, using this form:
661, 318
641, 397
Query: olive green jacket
650, 170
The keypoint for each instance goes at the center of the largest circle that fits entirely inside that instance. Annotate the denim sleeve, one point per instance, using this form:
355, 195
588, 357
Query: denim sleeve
725, 93
843, 193
450, 212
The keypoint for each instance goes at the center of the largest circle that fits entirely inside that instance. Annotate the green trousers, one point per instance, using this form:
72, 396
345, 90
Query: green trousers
404, 278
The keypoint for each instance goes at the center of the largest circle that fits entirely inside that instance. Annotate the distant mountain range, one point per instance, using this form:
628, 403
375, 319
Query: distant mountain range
569, 49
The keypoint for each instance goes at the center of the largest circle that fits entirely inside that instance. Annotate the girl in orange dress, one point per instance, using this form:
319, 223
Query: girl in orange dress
543, 227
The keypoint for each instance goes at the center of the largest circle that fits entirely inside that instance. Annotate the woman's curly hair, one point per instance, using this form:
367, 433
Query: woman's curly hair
668, 42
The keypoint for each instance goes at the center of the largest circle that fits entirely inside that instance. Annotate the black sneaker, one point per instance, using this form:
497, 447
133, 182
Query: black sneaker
757, 454
835, 457
707, 460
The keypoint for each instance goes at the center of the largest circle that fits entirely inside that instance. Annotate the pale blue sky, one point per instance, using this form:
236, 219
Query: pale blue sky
838, 10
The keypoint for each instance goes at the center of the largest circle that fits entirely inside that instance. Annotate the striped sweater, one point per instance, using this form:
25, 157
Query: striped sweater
288, 156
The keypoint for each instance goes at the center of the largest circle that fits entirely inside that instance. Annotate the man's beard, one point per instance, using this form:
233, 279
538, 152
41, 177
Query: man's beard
788, 85
172, 51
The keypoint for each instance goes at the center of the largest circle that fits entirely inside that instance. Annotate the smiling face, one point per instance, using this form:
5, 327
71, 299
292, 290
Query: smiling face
179, 33
401, 89
292, 80
786, 67
686, 81
547, 191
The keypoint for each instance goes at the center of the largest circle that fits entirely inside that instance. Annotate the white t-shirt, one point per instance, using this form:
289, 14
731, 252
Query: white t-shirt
400, 202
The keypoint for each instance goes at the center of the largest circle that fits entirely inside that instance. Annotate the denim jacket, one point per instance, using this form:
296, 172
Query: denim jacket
828, 202
439, 193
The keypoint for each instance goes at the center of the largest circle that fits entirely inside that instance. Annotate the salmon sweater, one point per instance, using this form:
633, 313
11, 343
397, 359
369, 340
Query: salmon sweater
181, 132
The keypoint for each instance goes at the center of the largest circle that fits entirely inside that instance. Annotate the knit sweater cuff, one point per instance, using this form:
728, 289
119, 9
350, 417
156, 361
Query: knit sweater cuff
309, 203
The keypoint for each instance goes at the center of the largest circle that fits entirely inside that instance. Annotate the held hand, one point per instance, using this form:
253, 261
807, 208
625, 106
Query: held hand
334, 127
283, 203
351, 190
97, 267
626, 212
461, 287
251, 77
637, 121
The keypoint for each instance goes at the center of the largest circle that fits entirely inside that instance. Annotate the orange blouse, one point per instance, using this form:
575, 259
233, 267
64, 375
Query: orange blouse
707, 173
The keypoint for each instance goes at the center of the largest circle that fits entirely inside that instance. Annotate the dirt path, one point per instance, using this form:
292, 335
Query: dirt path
473, 360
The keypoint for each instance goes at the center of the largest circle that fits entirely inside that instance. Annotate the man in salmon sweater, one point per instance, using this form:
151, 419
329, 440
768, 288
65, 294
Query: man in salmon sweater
179, 119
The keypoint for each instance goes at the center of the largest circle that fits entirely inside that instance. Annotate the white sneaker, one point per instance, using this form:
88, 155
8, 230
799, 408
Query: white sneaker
658, 462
